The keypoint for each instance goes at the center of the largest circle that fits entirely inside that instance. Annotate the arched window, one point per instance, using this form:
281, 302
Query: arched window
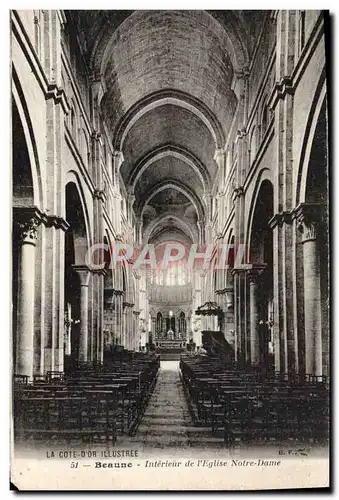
215, 280
176, 274
159, 322
264, 120
84, 148
74, 124
253, 146
182, 323
72, 115
228, 164
302, 24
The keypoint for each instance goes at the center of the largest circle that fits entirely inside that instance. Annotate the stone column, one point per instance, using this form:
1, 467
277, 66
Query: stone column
26, 227
312, 297
119, 318
239, 314
130, 328
153, 328
136, 333
84, 275
253, 275
124, 332
200, 225
98, 306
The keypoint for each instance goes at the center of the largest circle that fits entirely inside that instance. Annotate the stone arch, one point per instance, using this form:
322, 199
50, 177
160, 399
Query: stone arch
320, 98
160, 219
73, 177
77, 242
261, 215
312, 256
179, 187
75, 216
263, 175
21, 113
260, 276
177, 152
161, 98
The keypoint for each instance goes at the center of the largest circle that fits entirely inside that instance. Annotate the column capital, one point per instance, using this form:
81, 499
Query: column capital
96, 136
128, 304
83, 273
100, 194
219, 157
279, 219
56, 221
239, 82
237, 192
101, 271
207, 196
308, 217
26, 223
118, 158
281, 88
254, 271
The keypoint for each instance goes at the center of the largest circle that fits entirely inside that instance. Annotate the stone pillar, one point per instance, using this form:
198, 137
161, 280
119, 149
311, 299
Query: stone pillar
135, 332
130, 332
97, 341
130, 202
84, 275
312, 297
200, 225
153, 327
26, 228
124, 332
119, 319
253, 275
239, 314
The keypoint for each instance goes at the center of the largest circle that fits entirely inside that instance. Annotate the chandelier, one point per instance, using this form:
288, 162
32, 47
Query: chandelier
209, 309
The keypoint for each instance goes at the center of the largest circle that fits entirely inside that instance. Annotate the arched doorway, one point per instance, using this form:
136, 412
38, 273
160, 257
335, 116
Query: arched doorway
76, 281
312, 216
182, 323
109, 299
159, 323
24, 234
260, 275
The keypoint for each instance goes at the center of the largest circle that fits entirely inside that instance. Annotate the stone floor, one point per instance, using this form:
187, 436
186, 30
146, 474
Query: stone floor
167, 421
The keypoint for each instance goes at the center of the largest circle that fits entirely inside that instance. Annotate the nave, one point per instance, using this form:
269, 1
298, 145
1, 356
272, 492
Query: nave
197, 403
170, 201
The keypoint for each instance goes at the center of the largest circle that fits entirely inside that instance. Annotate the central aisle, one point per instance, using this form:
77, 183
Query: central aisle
167, 420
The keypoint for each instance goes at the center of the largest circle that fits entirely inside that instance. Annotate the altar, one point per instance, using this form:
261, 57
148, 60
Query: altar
170, 344
170, 340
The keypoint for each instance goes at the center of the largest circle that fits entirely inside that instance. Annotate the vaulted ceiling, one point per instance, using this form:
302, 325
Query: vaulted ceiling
168, 101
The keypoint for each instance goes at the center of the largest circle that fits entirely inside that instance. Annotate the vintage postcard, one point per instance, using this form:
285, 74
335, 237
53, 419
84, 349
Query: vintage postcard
170, 250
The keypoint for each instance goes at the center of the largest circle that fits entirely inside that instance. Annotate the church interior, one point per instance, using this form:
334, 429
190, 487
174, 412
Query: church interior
200, 129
